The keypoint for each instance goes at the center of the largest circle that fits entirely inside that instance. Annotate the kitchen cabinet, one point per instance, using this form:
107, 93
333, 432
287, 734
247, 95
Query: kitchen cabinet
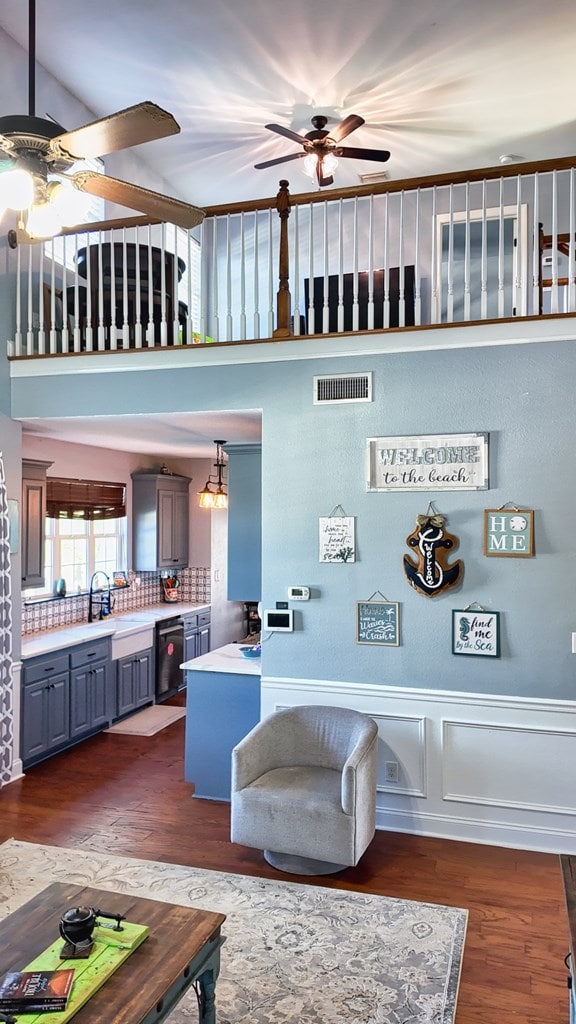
45, 707
160, 521
91, 688
65, 695
196, 634
134, 682
244, 521
33, 522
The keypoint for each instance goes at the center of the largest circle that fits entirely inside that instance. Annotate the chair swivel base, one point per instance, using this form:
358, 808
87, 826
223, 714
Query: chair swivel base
296, 865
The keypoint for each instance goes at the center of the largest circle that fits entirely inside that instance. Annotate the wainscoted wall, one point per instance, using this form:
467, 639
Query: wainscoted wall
474, 767
42, 615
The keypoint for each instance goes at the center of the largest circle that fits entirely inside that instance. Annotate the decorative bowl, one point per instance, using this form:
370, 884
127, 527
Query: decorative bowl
251, 652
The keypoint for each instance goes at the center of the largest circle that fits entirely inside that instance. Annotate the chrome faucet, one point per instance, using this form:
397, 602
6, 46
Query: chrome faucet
104, 601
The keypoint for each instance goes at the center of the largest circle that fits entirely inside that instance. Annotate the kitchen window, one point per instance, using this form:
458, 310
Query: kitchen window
76, 548
85, 532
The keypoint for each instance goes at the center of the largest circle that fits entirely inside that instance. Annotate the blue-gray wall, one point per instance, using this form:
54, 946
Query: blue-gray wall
314, 459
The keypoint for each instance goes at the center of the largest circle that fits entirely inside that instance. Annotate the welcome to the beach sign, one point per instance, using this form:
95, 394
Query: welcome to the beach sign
435, 462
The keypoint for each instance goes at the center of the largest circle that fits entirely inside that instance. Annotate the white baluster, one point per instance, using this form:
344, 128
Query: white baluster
571, 290
271, 278
401, 273
355, 307
138, 291
256, 280
325, 285
417, 278
340, 316
296, 275
229, 322
370, 317
242, 279
311, 314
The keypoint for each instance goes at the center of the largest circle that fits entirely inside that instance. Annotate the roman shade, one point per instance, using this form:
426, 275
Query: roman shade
84, 499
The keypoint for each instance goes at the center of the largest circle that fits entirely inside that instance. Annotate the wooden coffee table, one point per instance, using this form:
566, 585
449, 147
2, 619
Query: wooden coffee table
183, 948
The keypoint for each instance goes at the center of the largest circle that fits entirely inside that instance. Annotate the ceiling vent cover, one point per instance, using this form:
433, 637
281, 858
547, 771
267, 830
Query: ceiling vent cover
343, 387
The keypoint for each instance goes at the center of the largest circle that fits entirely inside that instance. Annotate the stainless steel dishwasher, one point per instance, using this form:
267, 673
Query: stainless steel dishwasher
169, 657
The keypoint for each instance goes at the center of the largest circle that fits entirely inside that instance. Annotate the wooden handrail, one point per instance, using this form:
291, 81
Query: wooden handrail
333, 194
402, 185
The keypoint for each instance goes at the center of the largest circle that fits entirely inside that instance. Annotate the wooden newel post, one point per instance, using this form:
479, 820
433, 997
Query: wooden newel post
283, 297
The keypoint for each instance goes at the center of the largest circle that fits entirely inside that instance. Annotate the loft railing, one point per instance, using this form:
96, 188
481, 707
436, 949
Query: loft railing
490, 244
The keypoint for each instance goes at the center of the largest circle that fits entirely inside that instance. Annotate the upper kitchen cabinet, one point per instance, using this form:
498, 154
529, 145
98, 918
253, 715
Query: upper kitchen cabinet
160, 518
244, 521
33, 521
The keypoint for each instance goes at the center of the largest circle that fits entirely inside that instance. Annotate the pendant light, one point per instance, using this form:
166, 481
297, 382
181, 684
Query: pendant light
214, 493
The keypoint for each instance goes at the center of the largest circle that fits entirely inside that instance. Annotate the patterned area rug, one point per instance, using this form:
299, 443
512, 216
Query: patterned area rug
294, 954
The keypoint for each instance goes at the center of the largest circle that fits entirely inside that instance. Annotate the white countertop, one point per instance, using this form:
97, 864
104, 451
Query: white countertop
225, 659
35, 644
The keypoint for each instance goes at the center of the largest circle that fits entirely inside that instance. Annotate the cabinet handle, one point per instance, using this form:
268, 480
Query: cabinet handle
48, 670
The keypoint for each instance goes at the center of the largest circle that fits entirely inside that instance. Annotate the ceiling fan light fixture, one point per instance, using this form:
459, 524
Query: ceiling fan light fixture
70, 204
310, 164
43, 221
16, 189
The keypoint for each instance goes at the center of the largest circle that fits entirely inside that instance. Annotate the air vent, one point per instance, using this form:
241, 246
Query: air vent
343, 387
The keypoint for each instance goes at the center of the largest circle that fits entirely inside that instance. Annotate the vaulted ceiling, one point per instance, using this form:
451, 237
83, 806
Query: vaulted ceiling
443, 84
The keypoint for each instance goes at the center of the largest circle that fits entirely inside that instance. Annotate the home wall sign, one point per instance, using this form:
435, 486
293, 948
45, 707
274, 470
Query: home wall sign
378, 622
476, 633
337, 537
509, 532
431, 574
435, 462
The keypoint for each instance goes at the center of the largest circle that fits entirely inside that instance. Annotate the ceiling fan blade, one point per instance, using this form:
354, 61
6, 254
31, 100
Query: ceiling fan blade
163, 208
363, 154
346, 127
279, 160
286, 132
143, 122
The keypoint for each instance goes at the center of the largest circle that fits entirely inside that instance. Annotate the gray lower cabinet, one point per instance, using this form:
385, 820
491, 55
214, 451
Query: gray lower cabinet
45, 707
65, 696
196, 634
134, 682
91, 688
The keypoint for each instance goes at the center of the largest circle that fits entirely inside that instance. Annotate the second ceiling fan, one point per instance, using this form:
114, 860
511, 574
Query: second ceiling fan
322, 149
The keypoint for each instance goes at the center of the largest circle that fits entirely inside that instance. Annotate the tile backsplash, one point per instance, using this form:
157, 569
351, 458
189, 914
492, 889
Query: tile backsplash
65, 611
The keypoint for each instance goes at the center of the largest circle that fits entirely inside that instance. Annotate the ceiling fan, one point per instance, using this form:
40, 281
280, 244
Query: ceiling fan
37, 154
321, 147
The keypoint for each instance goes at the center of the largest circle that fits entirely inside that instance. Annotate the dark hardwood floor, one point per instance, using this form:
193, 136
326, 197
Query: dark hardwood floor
127, 796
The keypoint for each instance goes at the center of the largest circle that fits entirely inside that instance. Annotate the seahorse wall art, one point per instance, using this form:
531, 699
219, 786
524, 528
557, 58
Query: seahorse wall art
431, 575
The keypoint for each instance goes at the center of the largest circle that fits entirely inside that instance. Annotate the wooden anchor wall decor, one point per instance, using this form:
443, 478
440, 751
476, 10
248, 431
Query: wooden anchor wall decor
432, 544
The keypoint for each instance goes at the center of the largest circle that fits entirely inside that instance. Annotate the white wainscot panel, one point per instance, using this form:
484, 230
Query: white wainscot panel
481, 765
401, 742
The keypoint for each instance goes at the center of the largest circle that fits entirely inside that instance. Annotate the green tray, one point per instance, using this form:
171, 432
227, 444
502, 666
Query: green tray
110, 950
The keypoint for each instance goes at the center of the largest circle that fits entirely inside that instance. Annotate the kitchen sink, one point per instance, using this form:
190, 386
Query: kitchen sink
130, 637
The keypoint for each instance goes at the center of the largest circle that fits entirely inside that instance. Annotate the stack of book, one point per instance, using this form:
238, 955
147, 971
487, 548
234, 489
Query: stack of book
35, 991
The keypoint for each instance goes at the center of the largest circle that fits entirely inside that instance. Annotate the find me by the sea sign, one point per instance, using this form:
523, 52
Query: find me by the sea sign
378, 622
476, 632
435, 462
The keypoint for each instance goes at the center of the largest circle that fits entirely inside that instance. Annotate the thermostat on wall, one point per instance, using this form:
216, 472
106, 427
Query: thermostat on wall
278, 621
299, 593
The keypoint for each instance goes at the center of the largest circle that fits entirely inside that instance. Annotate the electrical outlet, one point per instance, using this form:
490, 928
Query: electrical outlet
391, 769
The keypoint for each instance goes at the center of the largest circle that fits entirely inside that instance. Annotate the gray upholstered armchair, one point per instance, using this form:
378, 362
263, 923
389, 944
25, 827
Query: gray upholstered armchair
304, 788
